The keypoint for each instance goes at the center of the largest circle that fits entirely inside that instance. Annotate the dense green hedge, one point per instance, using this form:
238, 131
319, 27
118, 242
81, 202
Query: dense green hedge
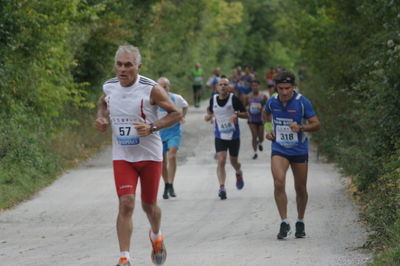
37, 48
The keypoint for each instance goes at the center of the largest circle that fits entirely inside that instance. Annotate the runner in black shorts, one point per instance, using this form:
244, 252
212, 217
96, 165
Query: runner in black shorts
254, 103
292, 115
226, 108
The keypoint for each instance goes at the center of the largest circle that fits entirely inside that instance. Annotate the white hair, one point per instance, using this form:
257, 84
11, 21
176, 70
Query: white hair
129, 49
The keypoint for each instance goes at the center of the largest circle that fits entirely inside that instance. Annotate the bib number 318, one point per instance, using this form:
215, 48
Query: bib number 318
286, 137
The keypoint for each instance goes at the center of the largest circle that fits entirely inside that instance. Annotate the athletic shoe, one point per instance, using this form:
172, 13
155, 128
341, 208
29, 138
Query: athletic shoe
123, 261
222, 193
260, 147
159, 253
300, 233
284, 231
239, 181
255, 156
165, 195
171, 191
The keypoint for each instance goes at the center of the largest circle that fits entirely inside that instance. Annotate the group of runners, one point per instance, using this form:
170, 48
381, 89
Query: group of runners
145, 119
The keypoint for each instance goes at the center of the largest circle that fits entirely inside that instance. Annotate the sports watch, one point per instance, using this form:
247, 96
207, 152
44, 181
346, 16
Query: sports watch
153, 128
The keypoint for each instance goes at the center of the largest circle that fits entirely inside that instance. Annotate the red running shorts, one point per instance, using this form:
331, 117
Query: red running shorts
126, 175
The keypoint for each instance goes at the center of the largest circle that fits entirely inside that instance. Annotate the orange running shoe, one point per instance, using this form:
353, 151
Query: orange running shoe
159, 253
123, 261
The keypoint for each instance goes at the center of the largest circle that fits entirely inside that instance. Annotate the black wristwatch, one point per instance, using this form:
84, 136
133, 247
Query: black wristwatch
153, 128
301, 128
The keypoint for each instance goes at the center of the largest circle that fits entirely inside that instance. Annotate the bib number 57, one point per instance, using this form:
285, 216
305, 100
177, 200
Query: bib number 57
124, 131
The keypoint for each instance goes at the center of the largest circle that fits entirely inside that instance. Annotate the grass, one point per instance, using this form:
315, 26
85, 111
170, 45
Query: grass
32, 165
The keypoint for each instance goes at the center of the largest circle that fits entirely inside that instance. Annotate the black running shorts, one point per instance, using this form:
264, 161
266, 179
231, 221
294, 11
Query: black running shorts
231, 145
197, 88
292, 158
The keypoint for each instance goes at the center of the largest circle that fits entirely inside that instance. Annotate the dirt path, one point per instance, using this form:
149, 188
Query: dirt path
72, 222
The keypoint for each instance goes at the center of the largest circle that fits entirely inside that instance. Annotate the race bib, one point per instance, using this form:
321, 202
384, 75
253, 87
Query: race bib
124, 131
255, 108
198, 79
286, 137
225, 126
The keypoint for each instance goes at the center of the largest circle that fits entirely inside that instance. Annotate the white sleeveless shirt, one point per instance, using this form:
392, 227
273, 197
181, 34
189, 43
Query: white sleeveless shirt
127, 105
223, 126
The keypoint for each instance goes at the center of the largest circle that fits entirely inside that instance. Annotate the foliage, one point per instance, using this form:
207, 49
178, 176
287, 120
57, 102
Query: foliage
206, 37
37, 48
391, 254
350, 53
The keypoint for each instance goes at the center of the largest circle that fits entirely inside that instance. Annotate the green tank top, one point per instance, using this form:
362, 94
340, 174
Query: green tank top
197, 76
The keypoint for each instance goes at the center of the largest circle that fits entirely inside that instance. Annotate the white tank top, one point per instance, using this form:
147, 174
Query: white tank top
224, 128
127, 105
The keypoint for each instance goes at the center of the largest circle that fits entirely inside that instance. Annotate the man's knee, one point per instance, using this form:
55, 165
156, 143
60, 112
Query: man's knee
221, 159
301, 190
279, 184
126, 204
149, 208
172, 154
234, 161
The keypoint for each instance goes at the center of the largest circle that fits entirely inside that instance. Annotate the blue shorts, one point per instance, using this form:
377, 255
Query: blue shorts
292, 158
175, 141
245, 90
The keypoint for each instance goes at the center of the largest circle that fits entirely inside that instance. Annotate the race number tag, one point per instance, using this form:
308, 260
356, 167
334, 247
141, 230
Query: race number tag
255, 108
225, 126
198, 79
124, 131
286, 137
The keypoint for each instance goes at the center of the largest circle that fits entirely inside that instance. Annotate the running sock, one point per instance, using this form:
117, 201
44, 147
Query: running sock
300, 220
155, 236
125, 254
222, 186
285, 221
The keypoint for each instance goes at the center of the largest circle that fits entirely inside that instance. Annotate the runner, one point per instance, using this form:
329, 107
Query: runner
269, 79
226, 108
245, 80
254, 103
131, 102
213, 80
171, 139
196, 76
292, 115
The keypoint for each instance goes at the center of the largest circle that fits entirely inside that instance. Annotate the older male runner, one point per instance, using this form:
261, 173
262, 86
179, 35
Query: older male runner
130, 101
171, 138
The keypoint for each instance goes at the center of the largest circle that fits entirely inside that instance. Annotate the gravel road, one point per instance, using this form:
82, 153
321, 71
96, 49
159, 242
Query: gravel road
72, 222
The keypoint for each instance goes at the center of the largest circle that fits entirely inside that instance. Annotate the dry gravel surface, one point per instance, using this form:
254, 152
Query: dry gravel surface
72, 222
